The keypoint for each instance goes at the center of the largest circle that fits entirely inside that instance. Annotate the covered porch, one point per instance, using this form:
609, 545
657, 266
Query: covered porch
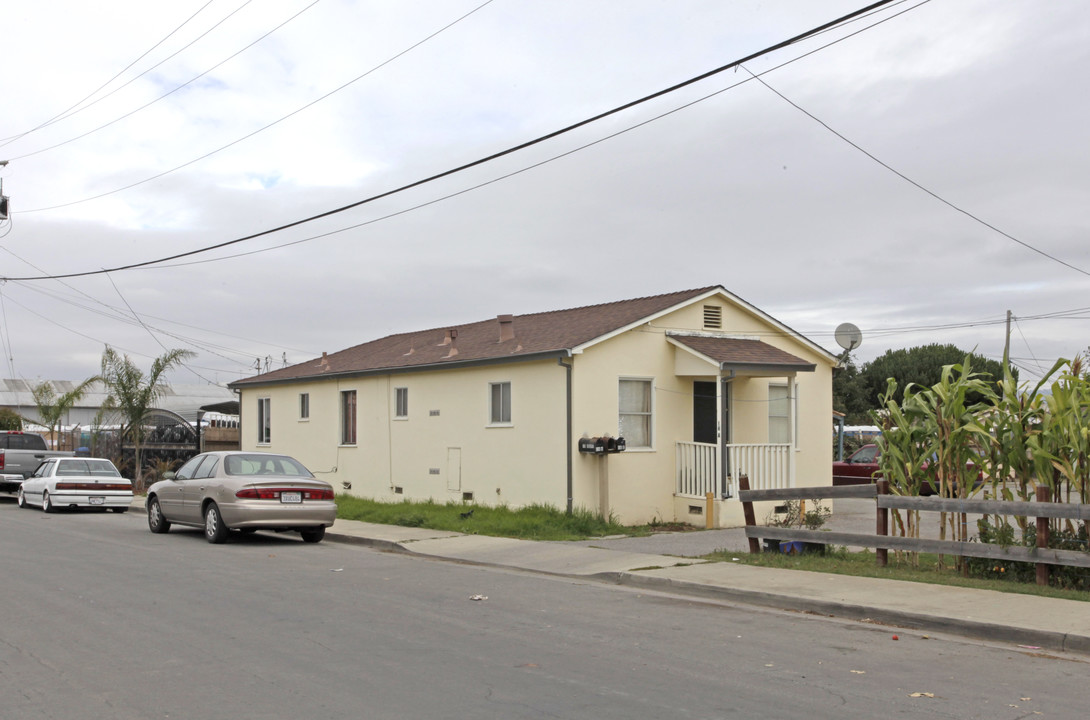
745, 419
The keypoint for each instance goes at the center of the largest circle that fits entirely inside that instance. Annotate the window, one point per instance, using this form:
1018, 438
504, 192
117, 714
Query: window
779, 414
207, 468
401, 402
348, 417
264, 425
500, 405
634, 411
304, 406
187, 470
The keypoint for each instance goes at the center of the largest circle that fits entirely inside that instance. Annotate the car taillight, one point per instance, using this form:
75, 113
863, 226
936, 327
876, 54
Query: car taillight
274, 493
92, 486
2, 460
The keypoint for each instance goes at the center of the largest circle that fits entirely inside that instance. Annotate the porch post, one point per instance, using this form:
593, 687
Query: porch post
792, 406
720, 467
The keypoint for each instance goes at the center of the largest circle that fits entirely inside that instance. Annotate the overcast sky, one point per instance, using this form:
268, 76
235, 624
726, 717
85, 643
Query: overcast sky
290, 108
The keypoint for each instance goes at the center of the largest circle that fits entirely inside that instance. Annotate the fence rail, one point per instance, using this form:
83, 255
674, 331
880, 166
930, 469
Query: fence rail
882, 541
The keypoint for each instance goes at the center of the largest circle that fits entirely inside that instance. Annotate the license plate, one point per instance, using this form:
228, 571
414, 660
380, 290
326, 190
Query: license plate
291, 497
97, 500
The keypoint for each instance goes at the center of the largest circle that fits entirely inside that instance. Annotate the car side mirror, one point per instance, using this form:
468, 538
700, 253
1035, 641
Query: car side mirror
169, 475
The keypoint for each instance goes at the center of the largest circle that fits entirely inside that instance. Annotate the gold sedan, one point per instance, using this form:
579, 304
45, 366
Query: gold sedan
244, 491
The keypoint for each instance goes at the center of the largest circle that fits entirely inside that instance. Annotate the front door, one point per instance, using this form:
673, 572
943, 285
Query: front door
705, 423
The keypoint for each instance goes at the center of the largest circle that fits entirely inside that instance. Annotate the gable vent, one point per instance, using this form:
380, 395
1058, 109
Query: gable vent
713, 317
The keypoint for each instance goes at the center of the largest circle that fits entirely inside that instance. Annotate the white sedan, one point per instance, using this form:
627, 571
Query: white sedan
76, 482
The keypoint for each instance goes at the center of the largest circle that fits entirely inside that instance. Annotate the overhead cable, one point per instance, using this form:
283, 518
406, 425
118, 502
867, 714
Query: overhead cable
484, 160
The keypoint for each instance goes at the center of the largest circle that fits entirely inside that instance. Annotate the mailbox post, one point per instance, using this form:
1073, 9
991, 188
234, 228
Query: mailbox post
602, 447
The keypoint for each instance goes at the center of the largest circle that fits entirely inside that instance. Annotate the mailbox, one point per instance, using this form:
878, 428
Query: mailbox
601, 445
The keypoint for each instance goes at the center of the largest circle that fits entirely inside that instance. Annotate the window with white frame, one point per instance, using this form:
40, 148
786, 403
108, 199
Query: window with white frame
348, 417
499, 403
264, 423
635, 412
779, 414
401, 403
304, 406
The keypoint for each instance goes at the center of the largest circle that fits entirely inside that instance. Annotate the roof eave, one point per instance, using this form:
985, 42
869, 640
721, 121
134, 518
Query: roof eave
766, 368
402, 370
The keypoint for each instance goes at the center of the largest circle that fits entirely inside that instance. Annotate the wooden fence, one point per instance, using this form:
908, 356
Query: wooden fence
882, 541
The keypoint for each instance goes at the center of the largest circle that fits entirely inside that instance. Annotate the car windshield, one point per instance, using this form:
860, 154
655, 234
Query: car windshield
81, 466
264, 465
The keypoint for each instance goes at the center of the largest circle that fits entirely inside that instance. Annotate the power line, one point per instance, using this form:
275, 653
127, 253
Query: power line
259, 130
915, 184
163, 96
68, 112
487, 159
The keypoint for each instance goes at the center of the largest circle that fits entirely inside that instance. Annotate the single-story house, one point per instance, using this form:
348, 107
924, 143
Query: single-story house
702, 386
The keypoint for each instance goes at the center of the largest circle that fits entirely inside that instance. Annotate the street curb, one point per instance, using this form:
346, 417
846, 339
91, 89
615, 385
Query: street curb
1032, 639
384, 545
1029, 639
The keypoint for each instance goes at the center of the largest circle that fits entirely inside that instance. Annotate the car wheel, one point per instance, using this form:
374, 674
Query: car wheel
215, 531
20, 499
157, 523
313, 536
47, 504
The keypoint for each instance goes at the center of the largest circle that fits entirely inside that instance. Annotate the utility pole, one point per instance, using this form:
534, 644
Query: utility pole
4, 211
1007, 343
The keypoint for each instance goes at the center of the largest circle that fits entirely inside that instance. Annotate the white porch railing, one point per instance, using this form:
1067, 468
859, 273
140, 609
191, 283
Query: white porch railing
698, 469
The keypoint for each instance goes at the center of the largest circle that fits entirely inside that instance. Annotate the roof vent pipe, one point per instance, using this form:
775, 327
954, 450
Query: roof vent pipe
449, 337
507, 327
452, 340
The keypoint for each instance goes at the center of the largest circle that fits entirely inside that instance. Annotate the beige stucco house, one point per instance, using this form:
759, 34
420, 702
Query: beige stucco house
702, 386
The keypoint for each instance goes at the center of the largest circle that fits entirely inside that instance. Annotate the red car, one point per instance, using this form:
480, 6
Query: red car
861, 467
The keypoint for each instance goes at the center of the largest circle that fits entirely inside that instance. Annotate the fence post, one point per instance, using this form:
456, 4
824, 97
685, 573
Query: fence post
1043, 495
881, 555
747, 511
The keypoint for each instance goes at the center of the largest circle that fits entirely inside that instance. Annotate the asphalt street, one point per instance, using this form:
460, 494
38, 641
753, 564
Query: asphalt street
106, 620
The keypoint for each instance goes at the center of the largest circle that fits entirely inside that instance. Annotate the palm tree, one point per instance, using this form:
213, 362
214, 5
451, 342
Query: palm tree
51, 408
132, 394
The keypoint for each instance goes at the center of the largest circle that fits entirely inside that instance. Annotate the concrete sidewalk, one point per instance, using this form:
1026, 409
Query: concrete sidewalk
1021, 620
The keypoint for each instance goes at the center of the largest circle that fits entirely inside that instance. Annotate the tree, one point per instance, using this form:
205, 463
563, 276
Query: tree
848, 394
132, 394
51, 408
923, 366
10, 420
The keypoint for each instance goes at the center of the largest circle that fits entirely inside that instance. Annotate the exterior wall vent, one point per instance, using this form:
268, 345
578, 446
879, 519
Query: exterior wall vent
713, 317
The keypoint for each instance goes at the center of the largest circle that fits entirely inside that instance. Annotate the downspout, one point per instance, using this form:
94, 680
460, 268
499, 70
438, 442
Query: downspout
238, 392
568, 435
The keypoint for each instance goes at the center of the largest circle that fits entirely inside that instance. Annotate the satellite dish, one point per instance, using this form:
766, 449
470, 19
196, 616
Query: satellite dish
848, 336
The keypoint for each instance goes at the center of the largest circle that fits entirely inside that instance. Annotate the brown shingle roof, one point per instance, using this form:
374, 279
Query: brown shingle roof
740, 352
535, 334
